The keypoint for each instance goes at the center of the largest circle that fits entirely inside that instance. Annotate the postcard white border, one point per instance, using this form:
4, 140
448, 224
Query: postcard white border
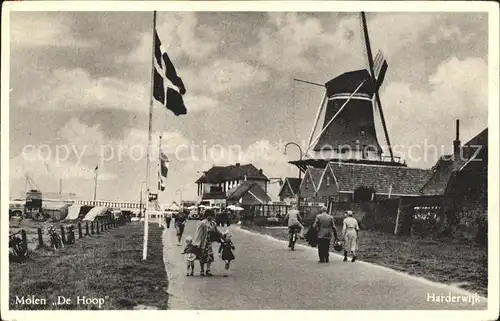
305, 6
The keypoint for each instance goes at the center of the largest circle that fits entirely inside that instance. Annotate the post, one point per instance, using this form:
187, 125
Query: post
40, 237
71, 235
25, 240
80, 230
97, 227
63, 235
146, 216
87, 228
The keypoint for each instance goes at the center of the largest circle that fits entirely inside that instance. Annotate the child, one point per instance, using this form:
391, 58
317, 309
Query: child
225, 251
189, 252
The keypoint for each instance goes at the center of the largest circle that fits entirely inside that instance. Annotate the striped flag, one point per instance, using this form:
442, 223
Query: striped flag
163, 164
161, 183
379, 68
162, 171
168, 87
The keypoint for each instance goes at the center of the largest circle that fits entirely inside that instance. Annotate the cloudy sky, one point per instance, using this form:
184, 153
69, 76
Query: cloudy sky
80, 84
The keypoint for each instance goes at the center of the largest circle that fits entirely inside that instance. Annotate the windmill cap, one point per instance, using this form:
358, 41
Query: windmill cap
347, 83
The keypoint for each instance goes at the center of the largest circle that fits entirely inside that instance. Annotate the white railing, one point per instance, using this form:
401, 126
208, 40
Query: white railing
112, 204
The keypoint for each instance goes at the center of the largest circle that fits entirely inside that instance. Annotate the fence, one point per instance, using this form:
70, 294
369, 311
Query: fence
19, 247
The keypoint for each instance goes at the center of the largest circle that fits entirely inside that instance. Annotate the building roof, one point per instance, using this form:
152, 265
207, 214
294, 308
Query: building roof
248, 187
349, 81
293, 185
218, 174
444, 168
315, 174
404, 180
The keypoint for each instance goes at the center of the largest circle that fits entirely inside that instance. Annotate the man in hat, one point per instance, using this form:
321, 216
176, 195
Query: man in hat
325, 225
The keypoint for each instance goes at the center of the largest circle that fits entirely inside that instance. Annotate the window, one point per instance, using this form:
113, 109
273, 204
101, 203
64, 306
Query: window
364, 194
306, 183
327, 180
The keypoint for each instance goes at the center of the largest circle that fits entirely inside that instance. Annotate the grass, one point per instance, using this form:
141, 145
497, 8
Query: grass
106, 266
464, 265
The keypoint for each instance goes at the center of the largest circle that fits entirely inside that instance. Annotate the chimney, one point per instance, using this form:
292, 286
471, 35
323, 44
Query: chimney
260, 171
237, 164
456, 142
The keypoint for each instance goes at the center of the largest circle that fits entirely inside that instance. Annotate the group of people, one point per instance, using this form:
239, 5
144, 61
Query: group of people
200, 247
323, 230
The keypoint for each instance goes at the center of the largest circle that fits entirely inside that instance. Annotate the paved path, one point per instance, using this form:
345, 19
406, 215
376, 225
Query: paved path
266, 275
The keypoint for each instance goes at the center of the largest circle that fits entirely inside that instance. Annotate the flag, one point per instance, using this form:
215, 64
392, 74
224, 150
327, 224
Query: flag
168, 87
379, 68
96, 168
161, 184
162, 170
163, 164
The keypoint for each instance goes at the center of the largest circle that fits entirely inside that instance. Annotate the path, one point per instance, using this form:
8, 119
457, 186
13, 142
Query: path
267, 275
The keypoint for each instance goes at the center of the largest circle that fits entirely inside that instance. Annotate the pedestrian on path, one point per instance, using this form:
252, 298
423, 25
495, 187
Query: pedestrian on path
326, 229
168, 218
350, 235
180, 222
226, 252
206, 233
190, 255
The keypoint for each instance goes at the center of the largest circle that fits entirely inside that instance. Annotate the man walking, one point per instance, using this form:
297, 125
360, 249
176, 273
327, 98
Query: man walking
168, 218
325, 225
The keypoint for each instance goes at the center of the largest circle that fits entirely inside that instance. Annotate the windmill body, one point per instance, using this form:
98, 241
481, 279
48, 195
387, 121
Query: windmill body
352, 134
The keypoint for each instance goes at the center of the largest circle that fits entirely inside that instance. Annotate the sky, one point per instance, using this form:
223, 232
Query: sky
81, 81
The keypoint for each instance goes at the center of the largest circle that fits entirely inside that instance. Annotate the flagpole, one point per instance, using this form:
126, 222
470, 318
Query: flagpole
159, 169
95, 181
146, 216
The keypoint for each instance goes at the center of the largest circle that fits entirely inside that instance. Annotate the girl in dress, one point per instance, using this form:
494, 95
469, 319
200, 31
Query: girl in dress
190, 255
226, 251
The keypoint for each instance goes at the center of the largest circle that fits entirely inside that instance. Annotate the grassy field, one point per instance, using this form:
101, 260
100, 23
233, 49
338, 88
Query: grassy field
464, 265
106, 266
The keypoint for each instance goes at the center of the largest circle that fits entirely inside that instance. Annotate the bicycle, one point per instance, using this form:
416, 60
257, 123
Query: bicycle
17, 248
55, 240
293, 237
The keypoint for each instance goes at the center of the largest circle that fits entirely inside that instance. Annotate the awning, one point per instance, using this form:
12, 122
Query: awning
73, 212
96, 211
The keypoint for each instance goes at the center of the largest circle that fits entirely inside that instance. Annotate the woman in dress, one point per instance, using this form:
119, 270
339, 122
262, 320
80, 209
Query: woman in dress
206, 233
350, 235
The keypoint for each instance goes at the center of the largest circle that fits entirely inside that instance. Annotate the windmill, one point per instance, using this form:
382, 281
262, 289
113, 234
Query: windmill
348, 133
